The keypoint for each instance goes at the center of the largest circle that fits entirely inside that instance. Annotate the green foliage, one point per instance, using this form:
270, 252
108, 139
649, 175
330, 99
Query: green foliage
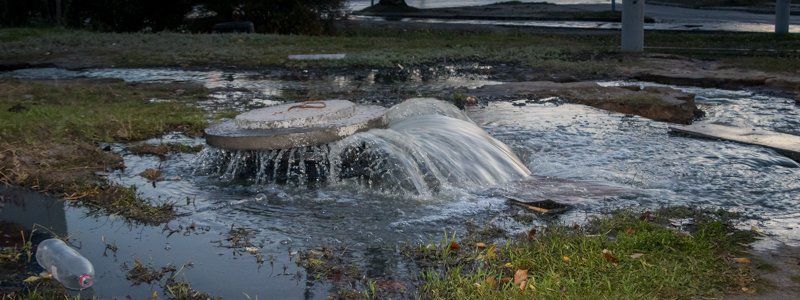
274, 16
279, 16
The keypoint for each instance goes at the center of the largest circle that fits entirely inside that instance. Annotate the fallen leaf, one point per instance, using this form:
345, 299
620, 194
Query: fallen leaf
629, 231
454, 245
505, 279
532, 233
32, 279
491, 253
742, 260
610, 256
521, 277
509, 265
565, 258
251, 250
491, 282
636, 255
480, 245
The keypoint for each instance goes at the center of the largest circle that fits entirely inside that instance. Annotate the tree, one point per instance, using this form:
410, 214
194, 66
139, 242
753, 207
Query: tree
279, 16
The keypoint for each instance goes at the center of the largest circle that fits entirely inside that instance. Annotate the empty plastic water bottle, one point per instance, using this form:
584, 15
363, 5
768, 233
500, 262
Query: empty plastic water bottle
66, 265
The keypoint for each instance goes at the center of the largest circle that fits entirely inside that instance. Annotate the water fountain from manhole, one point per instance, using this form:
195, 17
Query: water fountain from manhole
418, 146
292, 136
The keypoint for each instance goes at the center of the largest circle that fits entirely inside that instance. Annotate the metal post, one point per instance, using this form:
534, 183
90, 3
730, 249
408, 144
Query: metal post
613, 5
633, 25
782, 10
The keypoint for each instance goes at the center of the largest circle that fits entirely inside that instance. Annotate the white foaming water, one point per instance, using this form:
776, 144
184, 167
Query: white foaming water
429, 145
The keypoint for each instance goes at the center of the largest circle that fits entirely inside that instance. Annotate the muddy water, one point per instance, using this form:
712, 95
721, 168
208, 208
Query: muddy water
552, 139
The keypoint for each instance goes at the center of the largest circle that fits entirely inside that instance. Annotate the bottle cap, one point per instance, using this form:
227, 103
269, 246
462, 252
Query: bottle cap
85, 281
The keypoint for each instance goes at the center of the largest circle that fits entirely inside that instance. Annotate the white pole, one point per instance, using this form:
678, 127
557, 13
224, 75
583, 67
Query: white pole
633, 25
782, 16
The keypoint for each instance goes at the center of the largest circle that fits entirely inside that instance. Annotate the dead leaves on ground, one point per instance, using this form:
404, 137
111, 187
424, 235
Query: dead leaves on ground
609, 257
742, 260
521, 278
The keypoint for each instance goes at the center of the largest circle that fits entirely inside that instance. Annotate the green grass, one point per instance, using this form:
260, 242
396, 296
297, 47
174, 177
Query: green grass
578, 53
93, 111
649, 261
49, 133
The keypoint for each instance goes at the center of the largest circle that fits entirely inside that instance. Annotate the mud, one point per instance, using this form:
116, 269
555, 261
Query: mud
692, 72
657, 103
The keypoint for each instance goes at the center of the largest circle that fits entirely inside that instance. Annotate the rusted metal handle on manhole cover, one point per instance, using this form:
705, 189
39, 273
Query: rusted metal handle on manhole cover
309, 104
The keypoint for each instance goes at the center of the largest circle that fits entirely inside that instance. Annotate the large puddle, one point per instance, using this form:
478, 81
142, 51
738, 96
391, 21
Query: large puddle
552, 139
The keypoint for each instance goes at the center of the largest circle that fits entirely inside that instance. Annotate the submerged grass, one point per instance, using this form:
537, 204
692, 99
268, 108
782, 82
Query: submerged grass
49, 133
626, 255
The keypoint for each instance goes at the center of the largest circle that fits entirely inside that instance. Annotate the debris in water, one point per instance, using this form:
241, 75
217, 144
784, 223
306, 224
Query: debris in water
542, 207
151, 174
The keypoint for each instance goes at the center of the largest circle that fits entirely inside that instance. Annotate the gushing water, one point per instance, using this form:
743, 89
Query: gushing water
428, 145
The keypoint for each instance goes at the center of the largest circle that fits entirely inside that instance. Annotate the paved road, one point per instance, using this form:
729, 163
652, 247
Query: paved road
667, 17
674, 14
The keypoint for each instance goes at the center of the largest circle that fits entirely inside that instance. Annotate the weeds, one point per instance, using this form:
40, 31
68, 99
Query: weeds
123, 201
622, 256
140, 273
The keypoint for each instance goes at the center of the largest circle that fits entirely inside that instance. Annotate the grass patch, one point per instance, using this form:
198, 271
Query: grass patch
42, 290
94, 111
182, 290
626, 255
140, 273
124, 201
49, 133
584, 54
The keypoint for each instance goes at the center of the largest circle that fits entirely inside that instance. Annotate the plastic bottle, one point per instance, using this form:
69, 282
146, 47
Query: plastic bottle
66, 265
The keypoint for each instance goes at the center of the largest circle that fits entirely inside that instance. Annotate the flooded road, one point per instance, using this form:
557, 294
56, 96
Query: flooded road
371, 226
